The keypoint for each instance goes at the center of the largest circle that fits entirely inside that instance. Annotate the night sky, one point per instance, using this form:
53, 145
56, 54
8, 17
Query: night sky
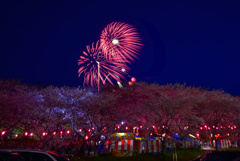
194, 42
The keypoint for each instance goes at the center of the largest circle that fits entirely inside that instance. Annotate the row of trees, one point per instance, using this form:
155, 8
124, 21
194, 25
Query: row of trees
150, 108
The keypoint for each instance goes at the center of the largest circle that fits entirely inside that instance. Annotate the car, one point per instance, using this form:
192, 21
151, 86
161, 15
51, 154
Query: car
36, 155
219, 155
10, 156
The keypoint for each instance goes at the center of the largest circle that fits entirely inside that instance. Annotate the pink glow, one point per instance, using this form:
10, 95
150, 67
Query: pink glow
86, 137
26, 133
68, 131
126, 128
130, 83
54, 133
80, 130
31, 134
133, 79
16, 135
3, 132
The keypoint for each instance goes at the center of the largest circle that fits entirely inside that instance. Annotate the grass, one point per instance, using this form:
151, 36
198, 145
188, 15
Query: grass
182, 155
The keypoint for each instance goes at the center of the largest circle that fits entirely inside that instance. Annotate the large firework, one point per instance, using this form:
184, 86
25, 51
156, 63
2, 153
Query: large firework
120, 40
97, 68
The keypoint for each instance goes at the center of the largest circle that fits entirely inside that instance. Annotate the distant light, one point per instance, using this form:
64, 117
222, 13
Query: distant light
68, 131
86, 137
16, 135
126, 128
122, 122
54, 133
130, 83
31, 134
141, 126
4, 132
133, 79
123, 70
118, 127
26, 133
80, 130
44, 134
115, 41
154, 127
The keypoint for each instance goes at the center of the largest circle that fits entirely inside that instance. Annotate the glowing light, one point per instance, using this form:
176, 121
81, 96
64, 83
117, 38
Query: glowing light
61, 132
68, 131
151, 134
209, 128
44, 134
54, 133
197, 135
213, 126
80, 130
93, 128
89, 130
31, 134
126, 128
122, 122
192, 135
130, 83
211, 135
162, 126
3, 132
115, 41
26, 133
216, 127
16, 135
200, 128
228, 134
86, 137
205, 126
133, 79
141, 126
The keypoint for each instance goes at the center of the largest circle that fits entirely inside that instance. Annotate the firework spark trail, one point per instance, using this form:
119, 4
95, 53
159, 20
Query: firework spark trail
128, 42
109, 69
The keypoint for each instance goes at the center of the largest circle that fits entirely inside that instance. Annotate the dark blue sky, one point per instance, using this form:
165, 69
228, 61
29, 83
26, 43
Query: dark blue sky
196, 42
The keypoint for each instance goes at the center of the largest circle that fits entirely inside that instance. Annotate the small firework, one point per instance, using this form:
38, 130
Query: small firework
96, 67
120, 40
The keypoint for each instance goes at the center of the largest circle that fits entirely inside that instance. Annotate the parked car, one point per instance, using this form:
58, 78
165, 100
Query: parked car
36, 155
10, 156
221, 155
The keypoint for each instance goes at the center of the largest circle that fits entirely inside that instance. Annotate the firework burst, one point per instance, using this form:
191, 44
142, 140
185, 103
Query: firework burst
120, 40
93, 61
